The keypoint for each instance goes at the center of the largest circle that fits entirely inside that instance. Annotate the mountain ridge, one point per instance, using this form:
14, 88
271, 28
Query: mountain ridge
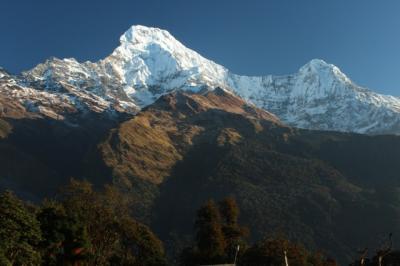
321, 188
332, 191
150, 62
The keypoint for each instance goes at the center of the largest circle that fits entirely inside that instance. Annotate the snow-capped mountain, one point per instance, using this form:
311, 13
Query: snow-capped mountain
150, 62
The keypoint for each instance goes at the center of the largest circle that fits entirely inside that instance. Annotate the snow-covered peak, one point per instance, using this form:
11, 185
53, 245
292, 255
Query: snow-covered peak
150, 62
138, 34
315, 65
156, 51
323, 69
151, 58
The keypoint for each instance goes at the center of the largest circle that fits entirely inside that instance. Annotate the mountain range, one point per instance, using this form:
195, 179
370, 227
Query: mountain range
150, 62
172, 129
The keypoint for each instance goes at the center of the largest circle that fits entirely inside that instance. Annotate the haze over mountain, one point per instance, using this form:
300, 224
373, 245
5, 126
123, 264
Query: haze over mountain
150, 62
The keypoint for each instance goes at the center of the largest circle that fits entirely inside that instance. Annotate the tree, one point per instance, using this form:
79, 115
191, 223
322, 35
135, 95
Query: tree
217, 234
270, 251
116, 238
65, 240
19, 232
210, 242
139, 245
234, 234
84, 204
210, 239
229, 211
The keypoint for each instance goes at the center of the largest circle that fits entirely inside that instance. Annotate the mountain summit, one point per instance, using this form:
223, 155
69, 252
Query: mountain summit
150, 62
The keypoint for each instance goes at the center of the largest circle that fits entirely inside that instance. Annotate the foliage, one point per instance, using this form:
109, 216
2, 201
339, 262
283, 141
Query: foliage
271, 251
84, 227
209, 236
65, 239
217, 234
114, 235
19, 232
234, 234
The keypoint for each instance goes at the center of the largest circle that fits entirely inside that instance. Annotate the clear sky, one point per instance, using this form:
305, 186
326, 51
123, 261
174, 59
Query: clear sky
362, 37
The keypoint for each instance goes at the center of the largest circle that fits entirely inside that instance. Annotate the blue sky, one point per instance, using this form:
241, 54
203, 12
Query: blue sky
362, 37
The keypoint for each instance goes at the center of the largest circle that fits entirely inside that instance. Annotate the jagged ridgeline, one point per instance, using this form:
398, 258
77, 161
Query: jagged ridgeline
150, 62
